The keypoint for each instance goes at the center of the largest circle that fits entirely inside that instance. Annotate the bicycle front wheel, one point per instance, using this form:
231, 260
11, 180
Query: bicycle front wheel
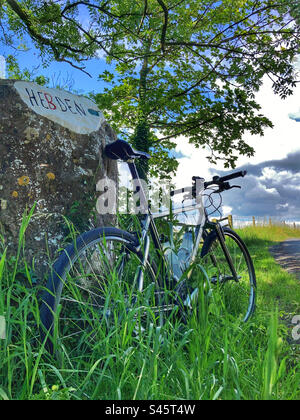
237, 295
92, 287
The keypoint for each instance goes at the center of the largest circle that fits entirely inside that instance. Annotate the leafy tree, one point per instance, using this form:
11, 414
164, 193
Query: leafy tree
182, 67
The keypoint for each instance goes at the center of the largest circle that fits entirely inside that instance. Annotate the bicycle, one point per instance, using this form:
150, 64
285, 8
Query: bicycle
108, 273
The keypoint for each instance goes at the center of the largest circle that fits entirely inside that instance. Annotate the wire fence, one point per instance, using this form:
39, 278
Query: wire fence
239, 222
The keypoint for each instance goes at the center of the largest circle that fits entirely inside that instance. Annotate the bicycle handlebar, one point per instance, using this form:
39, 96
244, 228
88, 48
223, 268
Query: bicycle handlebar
240, 174
221, 180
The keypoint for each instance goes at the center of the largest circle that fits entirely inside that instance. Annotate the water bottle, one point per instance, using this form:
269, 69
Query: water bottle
172, 259
185, 251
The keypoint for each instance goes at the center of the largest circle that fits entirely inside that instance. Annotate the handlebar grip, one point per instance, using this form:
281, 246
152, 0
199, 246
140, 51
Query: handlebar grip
240, 174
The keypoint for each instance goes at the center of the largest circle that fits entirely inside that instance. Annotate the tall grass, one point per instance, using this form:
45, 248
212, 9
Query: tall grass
275, 285
208, 358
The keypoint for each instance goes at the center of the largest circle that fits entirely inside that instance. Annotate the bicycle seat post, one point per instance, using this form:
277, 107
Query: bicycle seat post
139, 186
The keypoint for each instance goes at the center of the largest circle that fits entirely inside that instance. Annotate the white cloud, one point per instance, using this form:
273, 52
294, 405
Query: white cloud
284, 138
297, 63
194, 163
277, 143
270, 174
227, 210
282, 206
295, 116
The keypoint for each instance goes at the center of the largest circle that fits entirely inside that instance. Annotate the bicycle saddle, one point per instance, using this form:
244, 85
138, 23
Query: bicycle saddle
120, 149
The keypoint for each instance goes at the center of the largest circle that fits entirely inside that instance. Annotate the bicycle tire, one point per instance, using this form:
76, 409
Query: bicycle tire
58, 278
251, 288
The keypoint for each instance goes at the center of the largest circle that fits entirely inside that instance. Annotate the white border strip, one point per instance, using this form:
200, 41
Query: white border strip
2, 328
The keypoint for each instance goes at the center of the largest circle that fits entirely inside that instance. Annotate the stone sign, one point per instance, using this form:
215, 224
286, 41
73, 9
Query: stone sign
77, 113
51, 155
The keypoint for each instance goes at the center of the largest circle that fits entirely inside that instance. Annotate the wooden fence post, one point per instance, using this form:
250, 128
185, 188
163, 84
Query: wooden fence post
254, 222
230, 221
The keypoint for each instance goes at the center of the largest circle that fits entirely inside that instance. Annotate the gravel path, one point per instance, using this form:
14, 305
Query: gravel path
287, 254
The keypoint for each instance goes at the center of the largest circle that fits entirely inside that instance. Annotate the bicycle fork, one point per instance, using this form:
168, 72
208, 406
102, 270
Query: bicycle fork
226, 252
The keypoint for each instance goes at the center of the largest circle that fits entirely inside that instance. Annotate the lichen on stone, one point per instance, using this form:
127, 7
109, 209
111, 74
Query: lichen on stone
51, 176
23, 180
3, 204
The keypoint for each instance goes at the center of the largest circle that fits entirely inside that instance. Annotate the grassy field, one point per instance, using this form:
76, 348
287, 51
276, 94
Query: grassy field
210, 358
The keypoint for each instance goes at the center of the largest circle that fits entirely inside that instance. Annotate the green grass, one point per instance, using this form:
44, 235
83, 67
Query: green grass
209, 358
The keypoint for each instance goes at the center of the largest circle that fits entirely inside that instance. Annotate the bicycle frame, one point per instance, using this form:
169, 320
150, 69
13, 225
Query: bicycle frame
148, 226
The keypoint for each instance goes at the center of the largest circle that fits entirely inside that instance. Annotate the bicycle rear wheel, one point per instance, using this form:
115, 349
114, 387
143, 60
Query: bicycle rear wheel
92, 287
237, 297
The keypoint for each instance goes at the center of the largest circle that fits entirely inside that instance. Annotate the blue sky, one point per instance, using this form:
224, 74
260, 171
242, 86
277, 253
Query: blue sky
82, 82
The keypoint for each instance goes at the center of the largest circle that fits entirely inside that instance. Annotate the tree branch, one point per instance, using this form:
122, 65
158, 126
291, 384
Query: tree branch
165, 25
92, 38
41, 39
196, 124
144, 15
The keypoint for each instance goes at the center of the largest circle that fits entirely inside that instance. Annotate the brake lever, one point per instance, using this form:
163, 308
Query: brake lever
226, 187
